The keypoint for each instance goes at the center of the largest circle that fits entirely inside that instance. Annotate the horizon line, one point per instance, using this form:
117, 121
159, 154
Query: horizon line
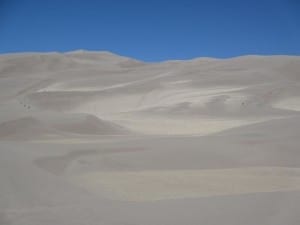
102, 51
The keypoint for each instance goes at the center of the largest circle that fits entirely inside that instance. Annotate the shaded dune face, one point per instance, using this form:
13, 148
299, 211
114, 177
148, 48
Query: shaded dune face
55, 126
88, 125
26, 126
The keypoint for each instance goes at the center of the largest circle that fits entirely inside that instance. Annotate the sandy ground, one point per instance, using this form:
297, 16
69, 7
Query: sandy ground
95, 138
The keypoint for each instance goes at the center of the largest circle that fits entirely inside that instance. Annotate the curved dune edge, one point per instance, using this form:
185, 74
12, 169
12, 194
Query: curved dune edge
154, 185
193, 126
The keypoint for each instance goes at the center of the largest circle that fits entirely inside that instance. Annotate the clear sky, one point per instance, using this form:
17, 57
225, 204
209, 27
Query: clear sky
152, 30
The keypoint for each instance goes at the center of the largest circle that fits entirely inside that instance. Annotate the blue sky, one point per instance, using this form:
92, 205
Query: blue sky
152, 30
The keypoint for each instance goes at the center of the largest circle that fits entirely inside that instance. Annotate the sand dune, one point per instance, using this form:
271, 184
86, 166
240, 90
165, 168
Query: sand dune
97, 138
26, 127
58, 126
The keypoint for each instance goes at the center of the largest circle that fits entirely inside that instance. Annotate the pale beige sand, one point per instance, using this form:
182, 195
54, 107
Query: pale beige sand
100, 139
289, 104
176, 184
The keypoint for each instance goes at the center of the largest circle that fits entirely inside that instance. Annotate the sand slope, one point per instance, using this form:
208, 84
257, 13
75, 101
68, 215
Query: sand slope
97, 138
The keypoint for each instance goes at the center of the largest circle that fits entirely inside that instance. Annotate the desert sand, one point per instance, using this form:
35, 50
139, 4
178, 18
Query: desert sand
95, 138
